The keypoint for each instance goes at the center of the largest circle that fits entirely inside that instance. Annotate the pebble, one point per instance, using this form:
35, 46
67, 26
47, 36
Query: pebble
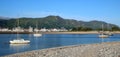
85, 50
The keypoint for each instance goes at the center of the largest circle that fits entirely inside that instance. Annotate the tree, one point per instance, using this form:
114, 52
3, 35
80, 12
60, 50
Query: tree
74, 29
82, 29
115, 28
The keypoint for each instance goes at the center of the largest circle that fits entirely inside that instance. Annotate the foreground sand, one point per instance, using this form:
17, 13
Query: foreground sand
87, 50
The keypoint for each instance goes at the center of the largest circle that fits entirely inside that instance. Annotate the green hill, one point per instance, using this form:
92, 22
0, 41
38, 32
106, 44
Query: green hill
51, 22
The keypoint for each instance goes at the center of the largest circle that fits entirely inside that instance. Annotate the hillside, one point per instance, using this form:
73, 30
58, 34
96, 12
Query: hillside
51, 22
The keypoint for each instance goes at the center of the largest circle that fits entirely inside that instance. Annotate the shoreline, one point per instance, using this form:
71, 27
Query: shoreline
69, 32
108, 49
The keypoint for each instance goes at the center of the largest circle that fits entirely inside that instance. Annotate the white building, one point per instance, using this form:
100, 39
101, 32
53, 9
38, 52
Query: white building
30, 29
44, 30
36, 30
5, 30
55, 30
18, 29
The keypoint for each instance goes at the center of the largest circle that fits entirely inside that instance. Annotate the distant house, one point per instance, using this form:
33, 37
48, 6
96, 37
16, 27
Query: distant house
30, 29
36, 30
44, 30
5, 30
18, 29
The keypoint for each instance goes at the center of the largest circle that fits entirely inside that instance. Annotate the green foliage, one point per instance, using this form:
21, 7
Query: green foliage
115, 28
53, 22
82, 29
3, 23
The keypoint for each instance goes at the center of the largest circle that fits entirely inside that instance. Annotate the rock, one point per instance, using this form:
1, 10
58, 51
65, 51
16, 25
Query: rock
86, 50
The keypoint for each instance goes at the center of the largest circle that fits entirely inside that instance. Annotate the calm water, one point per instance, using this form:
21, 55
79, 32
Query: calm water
49, 41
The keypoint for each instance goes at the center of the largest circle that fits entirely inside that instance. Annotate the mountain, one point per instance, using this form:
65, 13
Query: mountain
52, 22
4, 17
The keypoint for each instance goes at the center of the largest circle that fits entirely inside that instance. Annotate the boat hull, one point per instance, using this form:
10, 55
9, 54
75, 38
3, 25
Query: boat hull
103, 36
37, 35
19, 41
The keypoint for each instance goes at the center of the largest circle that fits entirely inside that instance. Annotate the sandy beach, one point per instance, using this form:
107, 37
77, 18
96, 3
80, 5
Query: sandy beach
111, 49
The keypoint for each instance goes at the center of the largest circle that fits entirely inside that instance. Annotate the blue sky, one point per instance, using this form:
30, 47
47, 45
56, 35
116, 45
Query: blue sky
86, 10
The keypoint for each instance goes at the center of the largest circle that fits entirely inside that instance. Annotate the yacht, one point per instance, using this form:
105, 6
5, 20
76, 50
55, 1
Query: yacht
19, 40
109, 30
102, 34
37, 34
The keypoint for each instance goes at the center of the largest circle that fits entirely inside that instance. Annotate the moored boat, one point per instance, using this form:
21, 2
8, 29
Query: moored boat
37, 34
103, 36
19, 41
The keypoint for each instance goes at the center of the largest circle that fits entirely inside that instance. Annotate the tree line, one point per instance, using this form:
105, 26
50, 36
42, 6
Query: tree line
114, 28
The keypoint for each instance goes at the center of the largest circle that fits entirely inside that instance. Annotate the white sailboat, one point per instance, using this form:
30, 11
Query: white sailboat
37, 34
109, 32
19, 40
102, 35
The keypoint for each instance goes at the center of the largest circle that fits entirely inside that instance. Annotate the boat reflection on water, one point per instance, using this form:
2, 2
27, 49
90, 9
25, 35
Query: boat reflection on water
19, 47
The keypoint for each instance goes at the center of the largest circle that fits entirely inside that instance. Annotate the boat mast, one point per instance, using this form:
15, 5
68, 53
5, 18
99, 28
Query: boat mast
36, 26
102, 33
18, 28
102, 29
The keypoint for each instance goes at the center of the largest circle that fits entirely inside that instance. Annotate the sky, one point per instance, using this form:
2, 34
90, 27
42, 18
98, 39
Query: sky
85, 10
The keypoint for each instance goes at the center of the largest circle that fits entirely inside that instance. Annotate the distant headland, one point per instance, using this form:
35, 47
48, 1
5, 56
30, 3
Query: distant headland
55, 23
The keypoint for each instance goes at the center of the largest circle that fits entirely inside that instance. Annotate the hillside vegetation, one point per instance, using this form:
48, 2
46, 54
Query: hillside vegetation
53, 22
